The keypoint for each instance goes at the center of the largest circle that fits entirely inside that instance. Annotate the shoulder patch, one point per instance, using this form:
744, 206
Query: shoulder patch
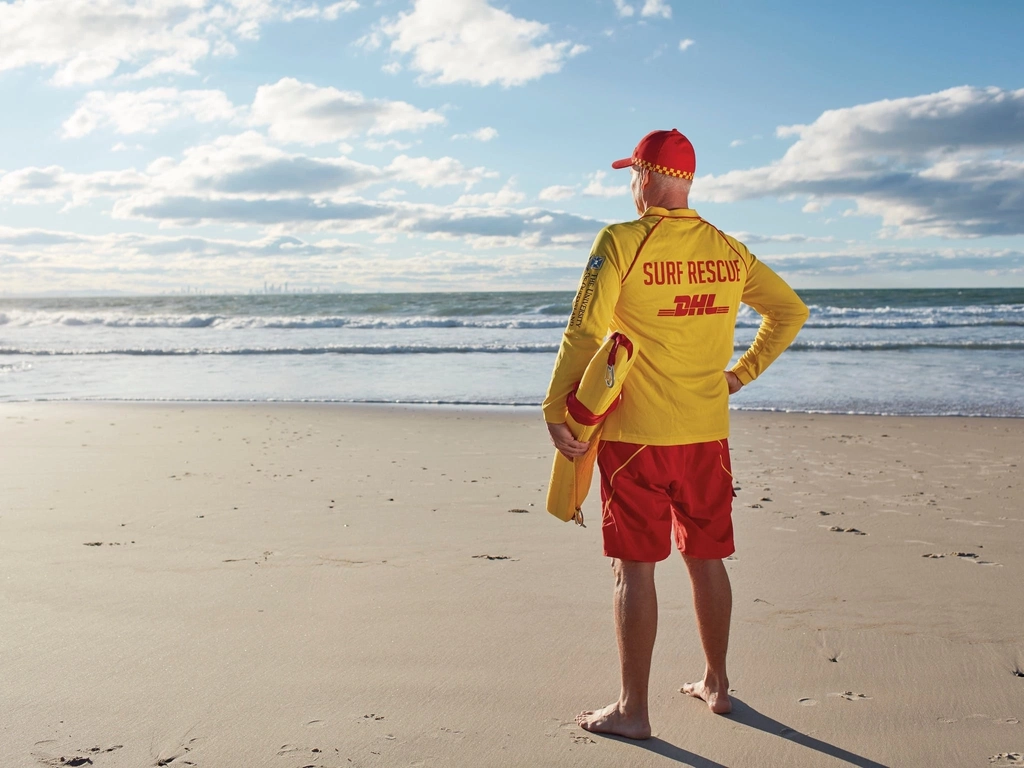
596, 263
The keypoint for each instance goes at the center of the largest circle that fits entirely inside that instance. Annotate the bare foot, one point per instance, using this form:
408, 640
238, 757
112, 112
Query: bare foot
612, 720
717, 698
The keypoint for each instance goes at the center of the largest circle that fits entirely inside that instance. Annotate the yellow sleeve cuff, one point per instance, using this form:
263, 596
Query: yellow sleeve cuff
742, 374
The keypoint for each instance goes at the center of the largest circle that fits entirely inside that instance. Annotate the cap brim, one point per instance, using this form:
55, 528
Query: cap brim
624, 163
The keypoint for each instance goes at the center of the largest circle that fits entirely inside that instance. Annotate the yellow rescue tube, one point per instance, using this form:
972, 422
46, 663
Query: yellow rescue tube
596, 395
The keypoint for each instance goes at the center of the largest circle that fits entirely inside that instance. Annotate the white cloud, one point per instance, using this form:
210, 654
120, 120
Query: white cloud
749, 238
624, 8
303, 113
243, 166
862, 261
481, 134
596, 187
380, 146
556, 193
687, 43
233, 170
146, 111
43, 261
442, 172
656, 8
53, 184
247, 167
333, 11
504, 197
469, 41
39, 260
946, 163
478, 227
84, 41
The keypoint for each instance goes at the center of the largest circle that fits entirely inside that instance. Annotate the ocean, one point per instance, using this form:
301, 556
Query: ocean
927, 352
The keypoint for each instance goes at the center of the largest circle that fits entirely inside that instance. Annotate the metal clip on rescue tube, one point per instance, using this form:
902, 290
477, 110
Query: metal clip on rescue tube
597, 394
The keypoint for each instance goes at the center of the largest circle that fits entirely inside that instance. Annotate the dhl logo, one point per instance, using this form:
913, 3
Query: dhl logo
699, 304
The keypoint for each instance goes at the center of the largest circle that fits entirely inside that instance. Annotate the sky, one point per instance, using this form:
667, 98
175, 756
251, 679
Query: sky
159, 146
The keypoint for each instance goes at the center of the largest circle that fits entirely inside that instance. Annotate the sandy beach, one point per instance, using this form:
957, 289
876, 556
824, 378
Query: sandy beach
333, 586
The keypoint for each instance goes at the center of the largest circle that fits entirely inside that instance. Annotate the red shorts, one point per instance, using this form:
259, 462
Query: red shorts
648, 490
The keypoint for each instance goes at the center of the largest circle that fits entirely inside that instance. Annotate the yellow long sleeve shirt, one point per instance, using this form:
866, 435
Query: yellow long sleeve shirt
673, 283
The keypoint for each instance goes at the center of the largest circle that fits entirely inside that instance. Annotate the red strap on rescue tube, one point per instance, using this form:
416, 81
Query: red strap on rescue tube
619, 340
583, 415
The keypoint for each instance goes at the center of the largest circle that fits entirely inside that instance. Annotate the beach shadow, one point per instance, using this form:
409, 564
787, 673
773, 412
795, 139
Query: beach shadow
746, 715
665, 749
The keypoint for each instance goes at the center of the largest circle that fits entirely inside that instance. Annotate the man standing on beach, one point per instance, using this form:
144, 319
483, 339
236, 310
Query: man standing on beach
672, 283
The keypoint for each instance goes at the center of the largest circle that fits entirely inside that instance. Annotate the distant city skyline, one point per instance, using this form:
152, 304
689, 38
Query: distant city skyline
424, 145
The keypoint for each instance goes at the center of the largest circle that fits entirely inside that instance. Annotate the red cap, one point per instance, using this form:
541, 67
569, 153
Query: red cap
667, 152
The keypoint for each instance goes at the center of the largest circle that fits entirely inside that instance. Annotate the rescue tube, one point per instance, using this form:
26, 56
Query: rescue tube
596, 395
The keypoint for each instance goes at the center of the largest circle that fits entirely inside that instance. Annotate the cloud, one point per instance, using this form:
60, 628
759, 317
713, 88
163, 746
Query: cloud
246, 166
146, 111
994, 262
556, 193
487, 226
53, 184
39, 261
49, 261
243, 167
303, 113
380, 146
687, 43
947, 163
596, 187
245, 181
749, 238
481, 134
624, 8
440, 172
657, 8
84, 41
504, 197
469, 41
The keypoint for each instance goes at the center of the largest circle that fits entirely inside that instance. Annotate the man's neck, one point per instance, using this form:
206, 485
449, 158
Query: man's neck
669, 203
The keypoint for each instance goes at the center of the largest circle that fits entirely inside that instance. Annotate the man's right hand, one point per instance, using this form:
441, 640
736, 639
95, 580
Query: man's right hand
567, 445
733, 381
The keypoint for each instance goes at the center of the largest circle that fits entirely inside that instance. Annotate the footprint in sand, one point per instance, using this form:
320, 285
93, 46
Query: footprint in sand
1007, 758
80, 758
169, 755
840, 529
580, 739
851, 696
968, 556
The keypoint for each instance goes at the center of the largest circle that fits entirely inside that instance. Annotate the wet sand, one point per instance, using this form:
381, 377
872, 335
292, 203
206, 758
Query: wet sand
303, 585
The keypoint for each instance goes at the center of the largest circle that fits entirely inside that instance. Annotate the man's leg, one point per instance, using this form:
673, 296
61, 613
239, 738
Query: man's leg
636, 625
712, 602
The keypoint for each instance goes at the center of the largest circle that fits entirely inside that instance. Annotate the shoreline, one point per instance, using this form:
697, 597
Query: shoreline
471, 406
292, 584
